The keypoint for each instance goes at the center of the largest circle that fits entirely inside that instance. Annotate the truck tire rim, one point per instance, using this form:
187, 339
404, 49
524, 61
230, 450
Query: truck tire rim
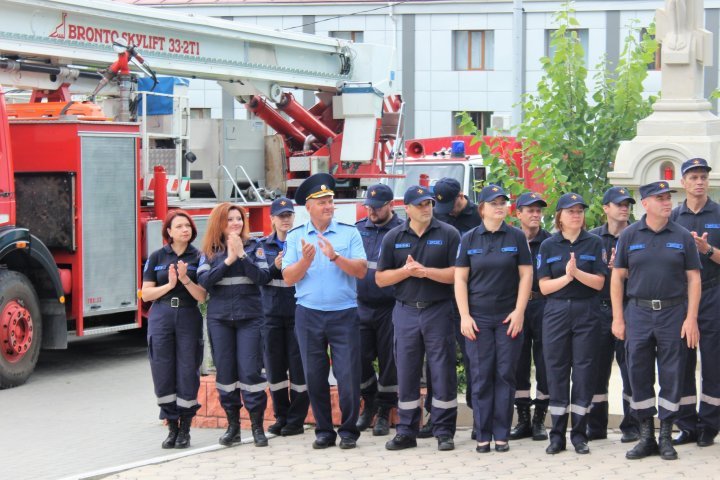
16, 331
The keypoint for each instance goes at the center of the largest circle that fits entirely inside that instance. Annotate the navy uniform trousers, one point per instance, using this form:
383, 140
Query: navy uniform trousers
419, 332
609, 347
175, 349
709, 325
570, 334
376, 341
493, 360
283, 366
532, 352
460, 339
237, 354
652, 335
315, 330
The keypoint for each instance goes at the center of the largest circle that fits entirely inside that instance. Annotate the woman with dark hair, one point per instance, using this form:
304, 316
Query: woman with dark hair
572, 266
231, 271
283, 363
493, 277
175, 341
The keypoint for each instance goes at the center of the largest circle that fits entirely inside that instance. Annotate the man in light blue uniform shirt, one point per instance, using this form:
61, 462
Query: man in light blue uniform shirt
324, 258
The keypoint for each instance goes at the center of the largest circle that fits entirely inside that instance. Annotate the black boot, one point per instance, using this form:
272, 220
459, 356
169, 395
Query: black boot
538, 423
647, 445
183, 438
667, 451
172, 434
382, 422
232, 434
523, 429
276, 428
256, 420
366, 417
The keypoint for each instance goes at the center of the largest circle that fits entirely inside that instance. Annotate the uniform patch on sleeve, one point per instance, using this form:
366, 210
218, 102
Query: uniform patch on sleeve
676, 246
539, 260
147, 264
604, 256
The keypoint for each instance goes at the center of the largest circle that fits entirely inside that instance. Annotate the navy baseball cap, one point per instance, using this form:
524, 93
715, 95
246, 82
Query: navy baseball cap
655, 188
315, 186
570, 200
491, 192
417, 194
530, 198
446, 191
617, 195
281, 205
695, 163
378, 195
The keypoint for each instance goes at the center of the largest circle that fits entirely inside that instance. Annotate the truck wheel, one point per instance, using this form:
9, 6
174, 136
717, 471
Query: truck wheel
20, 329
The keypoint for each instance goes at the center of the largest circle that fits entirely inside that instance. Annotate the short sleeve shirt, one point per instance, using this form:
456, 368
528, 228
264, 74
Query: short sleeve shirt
436, 248
156, 269
535, 243
707, 220
493, 259
657, 262
609, 242
590, 257
325, 286
465, 221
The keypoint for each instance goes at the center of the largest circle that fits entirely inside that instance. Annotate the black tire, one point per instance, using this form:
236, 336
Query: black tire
15, 287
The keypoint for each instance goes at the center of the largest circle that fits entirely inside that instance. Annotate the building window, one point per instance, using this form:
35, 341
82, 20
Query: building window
474, 49
480, 119
655, 64
582, 34
356, 37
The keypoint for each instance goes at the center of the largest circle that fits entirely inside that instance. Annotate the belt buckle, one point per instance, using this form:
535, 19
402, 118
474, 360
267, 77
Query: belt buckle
656, 304
175, 302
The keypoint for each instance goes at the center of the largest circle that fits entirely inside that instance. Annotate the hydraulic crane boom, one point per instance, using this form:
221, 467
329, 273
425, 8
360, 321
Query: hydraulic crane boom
246, 60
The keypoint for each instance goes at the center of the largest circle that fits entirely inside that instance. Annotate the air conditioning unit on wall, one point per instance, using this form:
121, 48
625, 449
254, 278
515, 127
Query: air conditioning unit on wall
500, 123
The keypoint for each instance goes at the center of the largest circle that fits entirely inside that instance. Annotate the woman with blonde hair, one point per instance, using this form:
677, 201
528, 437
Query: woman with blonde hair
231, 271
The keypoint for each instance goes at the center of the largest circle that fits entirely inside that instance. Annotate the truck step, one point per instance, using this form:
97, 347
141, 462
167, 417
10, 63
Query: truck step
108, 329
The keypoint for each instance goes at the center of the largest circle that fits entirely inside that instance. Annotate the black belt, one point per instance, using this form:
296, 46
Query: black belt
713, 282
418, 305
536, 296
658, 304
177, 302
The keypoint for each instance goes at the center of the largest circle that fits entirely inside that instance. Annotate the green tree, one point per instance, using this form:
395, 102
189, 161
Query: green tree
570, 135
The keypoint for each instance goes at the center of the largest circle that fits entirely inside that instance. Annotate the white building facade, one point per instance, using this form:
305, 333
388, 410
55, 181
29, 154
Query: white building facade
452, 56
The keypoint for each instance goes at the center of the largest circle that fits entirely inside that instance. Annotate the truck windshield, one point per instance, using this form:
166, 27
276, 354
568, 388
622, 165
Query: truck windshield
434, 172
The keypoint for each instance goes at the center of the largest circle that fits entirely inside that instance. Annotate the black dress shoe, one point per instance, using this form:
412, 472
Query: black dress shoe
346, 443
684, 438
426, 431
582, 448
401, 442
290, 430
554, 448
630, 436
445, 443
502, 447
483, 448
473, 435
323, 442
276, 428
705, 438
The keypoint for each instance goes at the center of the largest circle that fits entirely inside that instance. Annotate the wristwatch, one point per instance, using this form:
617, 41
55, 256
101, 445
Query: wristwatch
335, 257
710, 252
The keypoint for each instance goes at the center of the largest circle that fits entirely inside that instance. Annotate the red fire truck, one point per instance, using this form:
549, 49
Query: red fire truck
82, 201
